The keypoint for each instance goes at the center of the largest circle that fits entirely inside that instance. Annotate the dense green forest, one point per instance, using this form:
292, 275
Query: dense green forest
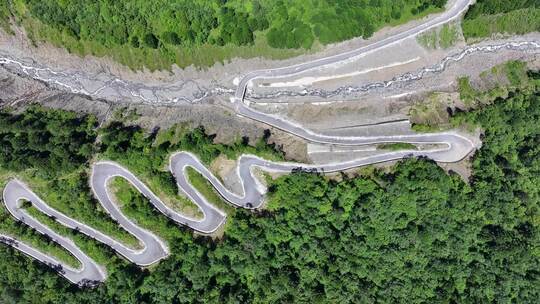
411, 234
172, 26
487, 17
45, 140
4, 16
493, 7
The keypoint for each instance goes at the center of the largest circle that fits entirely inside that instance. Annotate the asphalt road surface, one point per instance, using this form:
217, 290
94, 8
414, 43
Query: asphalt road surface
457, 8
449, 147
454, 147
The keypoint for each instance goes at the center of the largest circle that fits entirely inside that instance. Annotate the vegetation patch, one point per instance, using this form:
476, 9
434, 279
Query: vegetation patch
51, 150
177, 202
140, 210
448, 36
431, 112
435, 112
12, 227
5, 15
495, 83
428, 39
443, 37
157, 34
208, 191
397, 146
488, 17
53, 142
413, 234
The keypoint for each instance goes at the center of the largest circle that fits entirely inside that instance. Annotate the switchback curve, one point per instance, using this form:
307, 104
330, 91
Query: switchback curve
454, 147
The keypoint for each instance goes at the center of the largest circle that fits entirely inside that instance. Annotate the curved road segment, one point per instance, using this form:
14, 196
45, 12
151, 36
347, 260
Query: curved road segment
154, 249
457, 8
448, 147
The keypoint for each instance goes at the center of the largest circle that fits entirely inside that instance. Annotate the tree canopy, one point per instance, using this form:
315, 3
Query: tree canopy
414, 233
488, 17
46, 139
142, 26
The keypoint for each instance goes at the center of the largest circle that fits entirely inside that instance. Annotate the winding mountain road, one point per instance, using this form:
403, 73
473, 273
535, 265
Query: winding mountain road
455, 10
454, 147
447, 147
